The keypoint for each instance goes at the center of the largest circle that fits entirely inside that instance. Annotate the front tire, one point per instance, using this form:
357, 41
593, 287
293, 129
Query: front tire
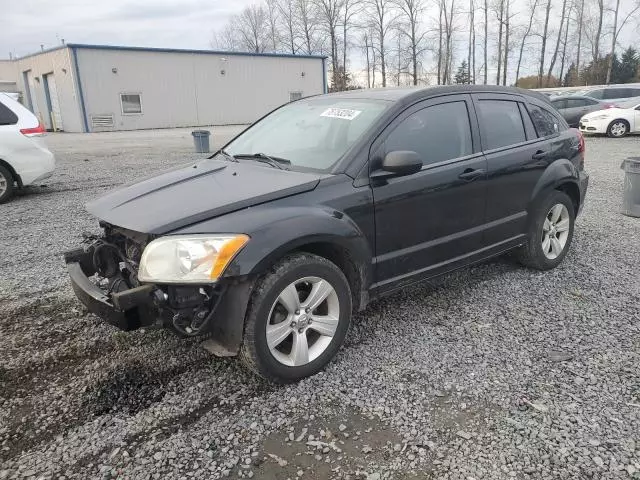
6, 185
297, 319
550, 232
618, 129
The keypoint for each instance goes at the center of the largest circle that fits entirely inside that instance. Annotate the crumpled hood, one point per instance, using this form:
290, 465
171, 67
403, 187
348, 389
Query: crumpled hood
197, 192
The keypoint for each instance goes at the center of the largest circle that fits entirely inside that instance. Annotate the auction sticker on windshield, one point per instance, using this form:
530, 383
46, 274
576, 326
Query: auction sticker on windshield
344, 113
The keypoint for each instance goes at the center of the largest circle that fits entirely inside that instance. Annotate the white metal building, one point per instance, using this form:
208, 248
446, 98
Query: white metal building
88, 88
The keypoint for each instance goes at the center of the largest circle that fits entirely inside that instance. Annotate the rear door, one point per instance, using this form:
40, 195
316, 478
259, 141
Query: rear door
576, 108
428, 220
516, 158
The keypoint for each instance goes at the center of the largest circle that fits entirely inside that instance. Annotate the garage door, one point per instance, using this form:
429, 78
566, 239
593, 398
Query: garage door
53, 104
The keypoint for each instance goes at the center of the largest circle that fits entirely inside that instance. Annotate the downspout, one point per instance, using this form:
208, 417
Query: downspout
80, 94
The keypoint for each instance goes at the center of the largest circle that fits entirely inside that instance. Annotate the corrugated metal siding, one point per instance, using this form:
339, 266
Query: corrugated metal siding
189, 89
59, 63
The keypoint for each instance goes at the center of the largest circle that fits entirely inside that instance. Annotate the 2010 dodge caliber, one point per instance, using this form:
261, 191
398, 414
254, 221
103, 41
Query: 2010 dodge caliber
266, 248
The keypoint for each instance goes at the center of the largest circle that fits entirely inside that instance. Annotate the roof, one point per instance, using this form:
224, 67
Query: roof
395, 94
170, 50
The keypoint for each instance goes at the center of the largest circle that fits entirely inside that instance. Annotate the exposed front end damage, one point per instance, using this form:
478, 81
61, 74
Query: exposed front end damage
104, 276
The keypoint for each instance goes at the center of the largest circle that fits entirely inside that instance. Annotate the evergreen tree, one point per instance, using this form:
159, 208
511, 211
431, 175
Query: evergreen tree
462, 76
626, 70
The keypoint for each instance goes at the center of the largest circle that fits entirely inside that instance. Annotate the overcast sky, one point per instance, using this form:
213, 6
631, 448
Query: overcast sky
26, 24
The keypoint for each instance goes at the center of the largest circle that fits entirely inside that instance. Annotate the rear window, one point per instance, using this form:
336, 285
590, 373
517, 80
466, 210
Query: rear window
599, 94
7, 117
501, 123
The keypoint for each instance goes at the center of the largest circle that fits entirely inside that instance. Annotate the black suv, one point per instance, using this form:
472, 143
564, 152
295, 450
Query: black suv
266, 248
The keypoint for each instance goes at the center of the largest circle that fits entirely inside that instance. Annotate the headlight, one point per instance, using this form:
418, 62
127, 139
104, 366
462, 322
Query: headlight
188, 258
600, 117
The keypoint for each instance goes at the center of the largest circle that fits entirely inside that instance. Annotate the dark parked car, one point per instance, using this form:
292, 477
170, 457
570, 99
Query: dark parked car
574, 107
326, 204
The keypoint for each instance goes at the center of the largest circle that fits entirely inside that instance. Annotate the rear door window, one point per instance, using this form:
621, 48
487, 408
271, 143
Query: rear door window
7, 117
501, 123
436, 133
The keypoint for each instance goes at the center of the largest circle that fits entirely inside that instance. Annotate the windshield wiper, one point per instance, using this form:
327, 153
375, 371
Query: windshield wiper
228, 156
276, 162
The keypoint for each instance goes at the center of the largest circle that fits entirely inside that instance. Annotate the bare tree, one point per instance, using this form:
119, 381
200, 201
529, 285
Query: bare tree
616, 31
226, 39
440, 39
352, 8
563, 57
596, 41
411, 11
329, 13
580, 25
500, 16
382, 22
449, 15
272, 19
532, 9
486, 39
507, 32
545, 35
307, 24
287, 15
555, 51
471, 57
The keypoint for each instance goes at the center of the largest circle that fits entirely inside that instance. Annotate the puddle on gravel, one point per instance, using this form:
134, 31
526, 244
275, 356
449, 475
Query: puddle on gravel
350, 445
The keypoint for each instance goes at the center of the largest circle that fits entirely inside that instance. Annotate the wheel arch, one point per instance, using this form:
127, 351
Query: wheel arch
320, 231
12, 171
561, 175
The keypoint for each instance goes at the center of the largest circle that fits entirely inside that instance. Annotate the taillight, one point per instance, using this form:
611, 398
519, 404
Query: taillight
31, 132
610, 105
581, 142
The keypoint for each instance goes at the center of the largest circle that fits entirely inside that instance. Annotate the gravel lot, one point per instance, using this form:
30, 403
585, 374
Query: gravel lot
492, 372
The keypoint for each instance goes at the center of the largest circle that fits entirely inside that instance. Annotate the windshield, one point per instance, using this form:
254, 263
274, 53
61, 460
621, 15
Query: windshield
311, 134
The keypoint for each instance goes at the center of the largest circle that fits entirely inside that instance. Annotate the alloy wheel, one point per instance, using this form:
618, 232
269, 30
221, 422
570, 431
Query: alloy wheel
4, 184
618, 129
302, 322
555, 231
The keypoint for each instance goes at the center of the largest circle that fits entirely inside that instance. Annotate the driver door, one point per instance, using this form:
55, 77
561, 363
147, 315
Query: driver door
429, 221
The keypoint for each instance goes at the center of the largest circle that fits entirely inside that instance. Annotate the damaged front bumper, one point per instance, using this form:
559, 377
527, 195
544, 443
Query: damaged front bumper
163, 306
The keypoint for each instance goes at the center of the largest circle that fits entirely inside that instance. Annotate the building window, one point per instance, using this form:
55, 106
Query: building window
131, 103
293, 96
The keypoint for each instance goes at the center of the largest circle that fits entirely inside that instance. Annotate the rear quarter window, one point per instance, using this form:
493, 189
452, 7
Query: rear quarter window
545, 121
7, 117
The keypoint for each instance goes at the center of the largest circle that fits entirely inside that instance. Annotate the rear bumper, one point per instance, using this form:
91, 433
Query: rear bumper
583, 185
39, 165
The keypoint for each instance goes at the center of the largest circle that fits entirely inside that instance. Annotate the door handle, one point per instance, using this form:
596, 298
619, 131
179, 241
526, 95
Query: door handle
540, 154
472, 174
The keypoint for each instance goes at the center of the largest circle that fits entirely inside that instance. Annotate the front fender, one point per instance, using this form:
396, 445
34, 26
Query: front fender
289, 228
559, 172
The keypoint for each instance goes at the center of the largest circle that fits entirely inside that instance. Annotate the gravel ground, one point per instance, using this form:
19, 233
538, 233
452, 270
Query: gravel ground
492, 372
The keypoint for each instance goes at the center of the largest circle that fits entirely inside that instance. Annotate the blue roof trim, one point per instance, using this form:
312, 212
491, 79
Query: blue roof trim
179, 50
46, 50
82, 105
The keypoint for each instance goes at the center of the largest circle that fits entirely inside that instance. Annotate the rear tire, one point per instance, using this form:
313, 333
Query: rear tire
618, 128
6, 185
297, 318
550, 232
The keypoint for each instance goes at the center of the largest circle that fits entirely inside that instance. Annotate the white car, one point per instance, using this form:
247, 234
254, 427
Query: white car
24, 157
615, 122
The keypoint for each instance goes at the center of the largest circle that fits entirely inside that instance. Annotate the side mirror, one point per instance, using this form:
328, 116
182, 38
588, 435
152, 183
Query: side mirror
398, 164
